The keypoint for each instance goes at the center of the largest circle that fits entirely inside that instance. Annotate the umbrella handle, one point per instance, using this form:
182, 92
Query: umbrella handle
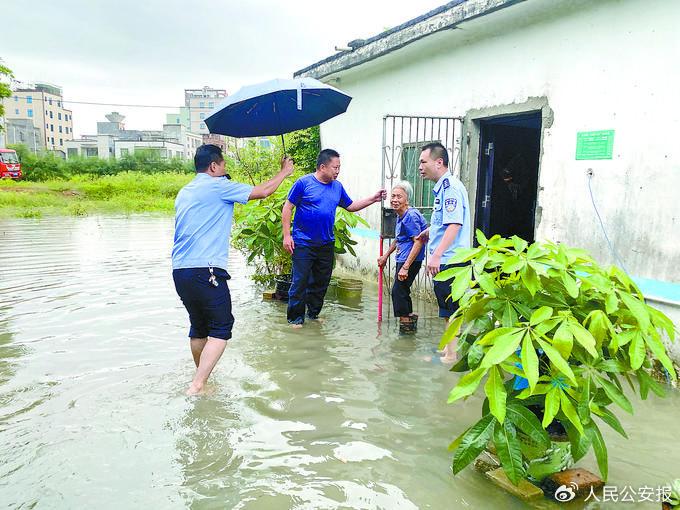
283, 142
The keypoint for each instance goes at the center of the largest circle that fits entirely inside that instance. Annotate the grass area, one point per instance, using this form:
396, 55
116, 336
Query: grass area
81, 195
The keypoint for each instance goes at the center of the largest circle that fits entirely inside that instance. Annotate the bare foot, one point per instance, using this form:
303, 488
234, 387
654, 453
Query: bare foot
296, 326
195, 390
449, 359
318, 320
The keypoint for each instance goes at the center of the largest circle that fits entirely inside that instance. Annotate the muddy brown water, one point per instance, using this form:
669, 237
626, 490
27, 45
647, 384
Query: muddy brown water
346, 414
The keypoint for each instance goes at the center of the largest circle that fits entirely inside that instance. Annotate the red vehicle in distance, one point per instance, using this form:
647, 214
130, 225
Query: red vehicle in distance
10, 167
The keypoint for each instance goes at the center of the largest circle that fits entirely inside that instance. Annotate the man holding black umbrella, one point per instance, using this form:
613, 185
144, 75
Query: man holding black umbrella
312, 243
204, 210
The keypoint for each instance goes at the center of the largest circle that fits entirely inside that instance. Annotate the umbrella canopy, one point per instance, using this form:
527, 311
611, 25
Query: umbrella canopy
276, 107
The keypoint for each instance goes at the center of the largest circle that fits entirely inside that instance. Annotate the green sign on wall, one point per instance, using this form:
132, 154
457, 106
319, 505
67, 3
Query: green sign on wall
595, 144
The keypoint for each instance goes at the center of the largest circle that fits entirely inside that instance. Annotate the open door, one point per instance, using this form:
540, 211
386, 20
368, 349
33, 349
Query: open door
508, 175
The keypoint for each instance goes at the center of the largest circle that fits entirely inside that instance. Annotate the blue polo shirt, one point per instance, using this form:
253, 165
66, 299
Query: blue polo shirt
450, 206
409, 225
315, 204
204, 209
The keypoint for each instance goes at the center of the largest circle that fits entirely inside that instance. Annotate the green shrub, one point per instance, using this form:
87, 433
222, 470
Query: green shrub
47, 166
572, 329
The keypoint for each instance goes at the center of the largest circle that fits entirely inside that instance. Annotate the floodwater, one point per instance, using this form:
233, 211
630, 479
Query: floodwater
94, 362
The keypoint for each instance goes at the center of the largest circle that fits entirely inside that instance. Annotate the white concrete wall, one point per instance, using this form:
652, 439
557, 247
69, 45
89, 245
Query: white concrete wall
601, 65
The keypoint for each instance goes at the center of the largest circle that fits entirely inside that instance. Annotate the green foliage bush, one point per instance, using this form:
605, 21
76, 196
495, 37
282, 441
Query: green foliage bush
258, 233
574, 330
47, 166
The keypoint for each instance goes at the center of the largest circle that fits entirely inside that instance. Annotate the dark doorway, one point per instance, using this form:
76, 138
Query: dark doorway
508, 175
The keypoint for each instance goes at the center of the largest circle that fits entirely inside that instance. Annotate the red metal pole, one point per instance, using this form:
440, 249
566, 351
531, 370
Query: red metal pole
380, 284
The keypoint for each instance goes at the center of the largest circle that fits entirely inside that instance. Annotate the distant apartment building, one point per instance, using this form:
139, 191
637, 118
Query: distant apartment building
182, 118
113, 140
42, 104
200, 103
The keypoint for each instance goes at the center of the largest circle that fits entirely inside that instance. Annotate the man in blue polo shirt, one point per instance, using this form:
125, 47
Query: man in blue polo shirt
312, 244
449, 226
203, 212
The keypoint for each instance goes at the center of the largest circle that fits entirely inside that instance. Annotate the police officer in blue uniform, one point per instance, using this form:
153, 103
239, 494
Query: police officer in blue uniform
449, 226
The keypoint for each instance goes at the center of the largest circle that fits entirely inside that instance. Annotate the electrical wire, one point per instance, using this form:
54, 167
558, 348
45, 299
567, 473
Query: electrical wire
604, 231
95, 103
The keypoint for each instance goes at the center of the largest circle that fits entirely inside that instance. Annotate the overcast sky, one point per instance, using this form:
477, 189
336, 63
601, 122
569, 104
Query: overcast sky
149, 51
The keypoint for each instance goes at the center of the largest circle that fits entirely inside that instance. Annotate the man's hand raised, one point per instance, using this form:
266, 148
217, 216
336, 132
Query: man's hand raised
381, 194
287, 165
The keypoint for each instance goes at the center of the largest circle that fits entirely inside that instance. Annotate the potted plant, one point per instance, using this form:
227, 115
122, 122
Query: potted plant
547, 317
259, 235
673, 500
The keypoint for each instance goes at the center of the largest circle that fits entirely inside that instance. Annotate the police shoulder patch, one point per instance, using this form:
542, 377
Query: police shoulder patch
450, 204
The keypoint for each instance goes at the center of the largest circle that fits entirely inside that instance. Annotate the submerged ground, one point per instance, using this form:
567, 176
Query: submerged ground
345, 414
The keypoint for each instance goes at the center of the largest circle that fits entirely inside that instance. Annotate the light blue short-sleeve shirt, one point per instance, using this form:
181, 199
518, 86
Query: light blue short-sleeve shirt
204, 209
450, 206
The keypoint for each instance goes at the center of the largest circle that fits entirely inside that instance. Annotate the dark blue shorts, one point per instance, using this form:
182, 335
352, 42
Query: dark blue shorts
442, 290
209, 307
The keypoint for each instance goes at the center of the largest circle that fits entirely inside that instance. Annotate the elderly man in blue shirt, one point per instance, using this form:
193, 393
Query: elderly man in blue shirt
449, 227
204, 209
315, 196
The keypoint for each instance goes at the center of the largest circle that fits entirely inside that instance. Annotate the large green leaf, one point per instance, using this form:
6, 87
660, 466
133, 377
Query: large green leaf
461, 283
452, 331
541, 314
503, 347
615, 394
557, 360
529, 361
551, 406
467, 384
583, 404
509, 318
599, 447
637, 308
452, 272
481, 238
583, 337
610, 419
475, 355
513, 264
486, 283
570, 412
519, 244
530, 280
656, 346
547, 326
464, 255
496, 393
611, 365
637, 351
570, 284
491, 337
563, 340
473, 442
611, 303
647, 383
509, 451
661, 320
527, 422
456, 442
580, 443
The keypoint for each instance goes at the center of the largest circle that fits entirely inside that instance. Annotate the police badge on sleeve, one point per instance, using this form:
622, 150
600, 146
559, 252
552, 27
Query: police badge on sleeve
450, 204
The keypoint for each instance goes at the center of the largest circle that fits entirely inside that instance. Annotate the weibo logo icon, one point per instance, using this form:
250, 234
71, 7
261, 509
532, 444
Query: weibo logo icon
566, 493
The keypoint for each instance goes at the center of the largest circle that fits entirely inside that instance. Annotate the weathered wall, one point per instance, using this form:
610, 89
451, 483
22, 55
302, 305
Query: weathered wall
599, 65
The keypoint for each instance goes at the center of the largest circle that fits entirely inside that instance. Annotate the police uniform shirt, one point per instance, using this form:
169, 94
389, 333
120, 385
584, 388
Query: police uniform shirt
450, 206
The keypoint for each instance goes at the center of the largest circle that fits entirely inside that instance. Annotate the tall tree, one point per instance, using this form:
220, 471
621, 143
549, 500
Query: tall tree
5, 91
